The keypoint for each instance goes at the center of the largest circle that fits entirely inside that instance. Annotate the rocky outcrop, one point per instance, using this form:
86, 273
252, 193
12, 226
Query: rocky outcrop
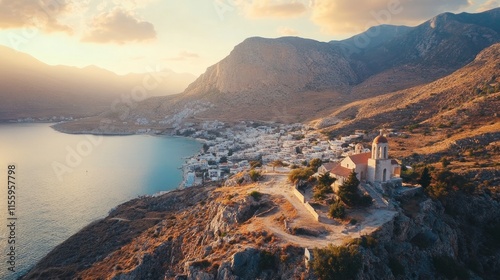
201, 233
421, 238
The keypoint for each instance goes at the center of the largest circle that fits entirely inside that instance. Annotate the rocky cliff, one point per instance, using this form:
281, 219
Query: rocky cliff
211, 233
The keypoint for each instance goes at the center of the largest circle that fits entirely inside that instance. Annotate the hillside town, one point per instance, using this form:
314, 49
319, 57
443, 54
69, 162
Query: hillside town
230, 150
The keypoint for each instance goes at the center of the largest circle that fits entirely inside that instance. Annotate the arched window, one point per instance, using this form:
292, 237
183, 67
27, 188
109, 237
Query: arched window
384, 175
385, 152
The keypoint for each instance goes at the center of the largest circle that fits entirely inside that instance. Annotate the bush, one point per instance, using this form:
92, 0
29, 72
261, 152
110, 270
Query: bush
337, 210
315, 164
366, 241
336, 262
300, 174
445, 162
254, 175
256, 195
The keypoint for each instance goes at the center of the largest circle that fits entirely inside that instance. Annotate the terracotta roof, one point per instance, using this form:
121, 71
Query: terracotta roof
329, 165
360, 158
341, 171
379, 139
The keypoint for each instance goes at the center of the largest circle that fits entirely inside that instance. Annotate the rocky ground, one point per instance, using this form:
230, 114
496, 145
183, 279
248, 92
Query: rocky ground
226, 233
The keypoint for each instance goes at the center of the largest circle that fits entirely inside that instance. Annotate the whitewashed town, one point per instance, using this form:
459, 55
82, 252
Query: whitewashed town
230, 150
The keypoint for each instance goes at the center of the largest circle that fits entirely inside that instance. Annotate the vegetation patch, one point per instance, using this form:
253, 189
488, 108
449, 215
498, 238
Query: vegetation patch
256, 195
336, 262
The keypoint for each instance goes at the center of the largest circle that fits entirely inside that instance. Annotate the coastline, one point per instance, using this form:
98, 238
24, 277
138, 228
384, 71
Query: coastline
183, 167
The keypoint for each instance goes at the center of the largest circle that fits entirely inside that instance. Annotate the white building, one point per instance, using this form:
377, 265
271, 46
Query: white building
374, 166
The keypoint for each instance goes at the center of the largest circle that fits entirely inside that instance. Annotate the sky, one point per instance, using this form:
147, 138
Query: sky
126, 36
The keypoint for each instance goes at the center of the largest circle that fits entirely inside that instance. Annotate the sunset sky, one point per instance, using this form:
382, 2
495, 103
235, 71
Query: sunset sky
189, 35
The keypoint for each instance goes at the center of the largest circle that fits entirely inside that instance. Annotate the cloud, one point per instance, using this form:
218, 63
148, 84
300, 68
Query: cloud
287, 31
339, 16
29, 13
488, 5
118, 26
274, 9
184, 55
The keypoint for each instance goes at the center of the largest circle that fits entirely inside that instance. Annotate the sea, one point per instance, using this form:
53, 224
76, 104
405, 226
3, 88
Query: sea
61, 182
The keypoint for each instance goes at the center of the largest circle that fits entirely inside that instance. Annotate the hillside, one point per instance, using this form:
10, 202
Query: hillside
31, 88
434, 116
226, 233
441, 45
292, 79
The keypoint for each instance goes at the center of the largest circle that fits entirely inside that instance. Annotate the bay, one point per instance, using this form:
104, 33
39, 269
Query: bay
64, 182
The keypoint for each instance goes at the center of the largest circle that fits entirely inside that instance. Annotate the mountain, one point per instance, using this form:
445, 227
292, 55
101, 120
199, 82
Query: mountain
292, 79
460, 107
288, 64
31, 88
442, 44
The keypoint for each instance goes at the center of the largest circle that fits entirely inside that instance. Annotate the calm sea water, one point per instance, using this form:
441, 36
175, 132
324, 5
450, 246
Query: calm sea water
95, 175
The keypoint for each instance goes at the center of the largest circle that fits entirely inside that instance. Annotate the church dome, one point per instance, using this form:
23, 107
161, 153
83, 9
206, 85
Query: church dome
379, 139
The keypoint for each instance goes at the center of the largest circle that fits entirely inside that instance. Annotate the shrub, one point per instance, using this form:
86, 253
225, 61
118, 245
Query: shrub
256, 195
425, 178
336, 262
366, 241
300, 174
255, 175
337, 210
445, 162
315, 164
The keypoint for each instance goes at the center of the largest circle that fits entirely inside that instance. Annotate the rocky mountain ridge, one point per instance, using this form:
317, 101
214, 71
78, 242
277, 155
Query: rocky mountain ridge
292, 79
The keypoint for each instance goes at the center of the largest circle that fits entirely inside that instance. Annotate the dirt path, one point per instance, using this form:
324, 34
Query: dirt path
277, 186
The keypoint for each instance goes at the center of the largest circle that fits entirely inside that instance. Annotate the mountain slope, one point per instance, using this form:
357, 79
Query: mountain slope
288, 64
460, 106
31, 88
296, 80
442, 44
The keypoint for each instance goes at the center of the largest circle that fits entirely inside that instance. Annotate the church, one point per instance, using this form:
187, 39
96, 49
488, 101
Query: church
373, 167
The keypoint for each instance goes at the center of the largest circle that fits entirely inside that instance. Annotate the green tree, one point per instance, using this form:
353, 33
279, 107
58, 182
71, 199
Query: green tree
336, 262
326, 180
348, 191
300, 174
315, 164
425, 178
337, 210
